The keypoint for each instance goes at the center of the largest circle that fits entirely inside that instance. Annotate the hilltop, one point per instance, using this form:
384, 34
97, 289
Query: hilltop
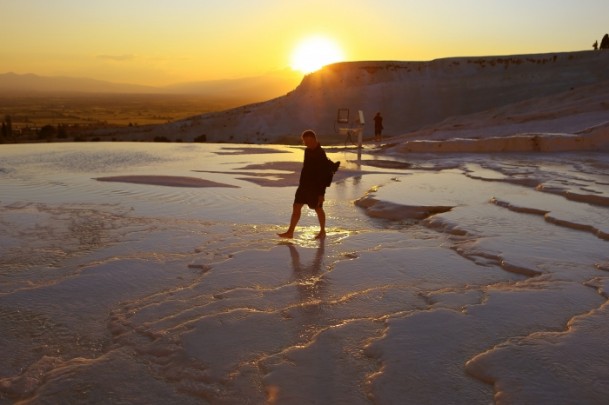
412, 96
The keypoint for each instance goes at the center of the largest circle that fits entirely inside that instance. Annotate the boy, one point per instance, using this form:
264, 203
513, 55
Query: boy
312, 185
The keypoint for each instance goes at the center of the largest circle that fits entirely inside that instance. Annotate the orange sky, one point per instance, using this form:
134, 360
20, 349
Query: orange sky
163, 42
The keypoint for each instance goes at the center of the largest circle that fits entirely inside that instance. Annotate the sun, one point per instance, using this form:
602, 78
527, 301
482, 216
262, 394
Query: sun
313, 53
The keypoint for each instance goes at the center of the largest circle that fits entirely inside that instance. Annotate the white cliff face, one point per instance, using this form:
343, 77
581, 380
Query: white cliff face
410, 95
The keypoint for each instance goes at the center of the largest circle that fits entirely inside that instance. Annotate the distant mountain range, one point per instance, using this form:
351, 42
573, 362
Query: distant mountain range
515, 91
261, 88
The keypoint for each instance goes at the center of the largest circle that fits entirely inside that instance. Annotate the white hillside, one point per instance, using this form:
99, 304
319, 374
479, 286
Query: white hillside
570, 121
410, 95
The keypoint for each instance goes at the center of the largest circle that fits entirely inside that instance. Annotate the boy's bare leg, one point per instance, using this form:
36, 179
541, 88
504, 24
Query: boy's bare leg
321, 215
296, 209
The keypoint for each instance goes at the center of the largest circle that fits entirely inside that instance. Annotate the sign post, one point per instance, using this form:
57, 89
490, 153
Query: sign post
343, 127
360, 131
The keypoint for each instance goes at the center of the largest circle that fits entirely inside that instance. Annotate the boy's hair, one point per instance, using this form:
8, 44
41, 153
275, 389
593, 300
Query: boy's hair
308, 134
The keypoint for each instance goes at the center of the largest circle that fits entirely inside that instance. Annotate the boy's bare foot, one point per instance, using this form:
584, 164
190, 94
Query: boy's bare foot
321, 235
287, 235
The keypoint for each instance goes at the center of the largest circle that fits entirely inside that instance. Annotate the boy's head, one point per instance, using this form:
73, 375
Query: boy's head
309, 138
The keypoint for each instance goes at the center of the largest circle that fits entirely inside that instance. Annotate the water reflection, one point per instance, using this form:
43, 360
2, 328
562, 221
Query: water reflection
310, 286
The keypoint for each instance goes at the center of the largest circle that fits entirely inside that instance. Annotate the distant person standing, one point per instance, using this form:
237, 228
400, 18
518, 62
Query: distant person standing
595, 45
312, 185
378, 127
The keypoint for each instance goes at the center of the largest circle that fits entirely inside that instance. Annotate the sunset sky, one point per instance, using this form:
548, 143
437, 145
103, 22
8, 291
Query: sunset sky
158, 42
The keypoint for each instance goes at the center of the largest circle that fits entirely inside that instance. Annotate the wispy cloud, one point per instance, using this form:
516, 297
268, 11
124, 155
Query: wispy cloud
117, 58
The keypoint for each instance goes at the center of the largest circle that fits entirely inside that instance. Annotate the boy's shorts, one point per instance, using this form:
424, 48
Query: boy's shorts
309, 197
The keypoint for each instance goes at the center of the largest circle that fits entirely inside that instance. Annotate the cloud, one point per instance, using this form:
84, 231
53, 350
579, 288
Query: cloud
117, 58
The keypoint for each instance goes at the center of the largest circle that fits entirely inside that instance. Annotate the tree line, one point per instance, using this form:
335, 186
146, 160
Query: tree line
44, 133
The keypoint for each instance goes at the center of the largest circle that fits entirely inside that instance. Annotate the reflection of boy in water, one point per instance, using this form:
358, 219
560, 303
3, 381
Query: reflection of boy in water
311, 188
308, 279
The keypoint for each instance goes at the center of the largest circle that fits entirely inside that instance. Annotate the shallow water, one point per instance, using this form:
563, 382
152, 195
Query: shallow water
443, 278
